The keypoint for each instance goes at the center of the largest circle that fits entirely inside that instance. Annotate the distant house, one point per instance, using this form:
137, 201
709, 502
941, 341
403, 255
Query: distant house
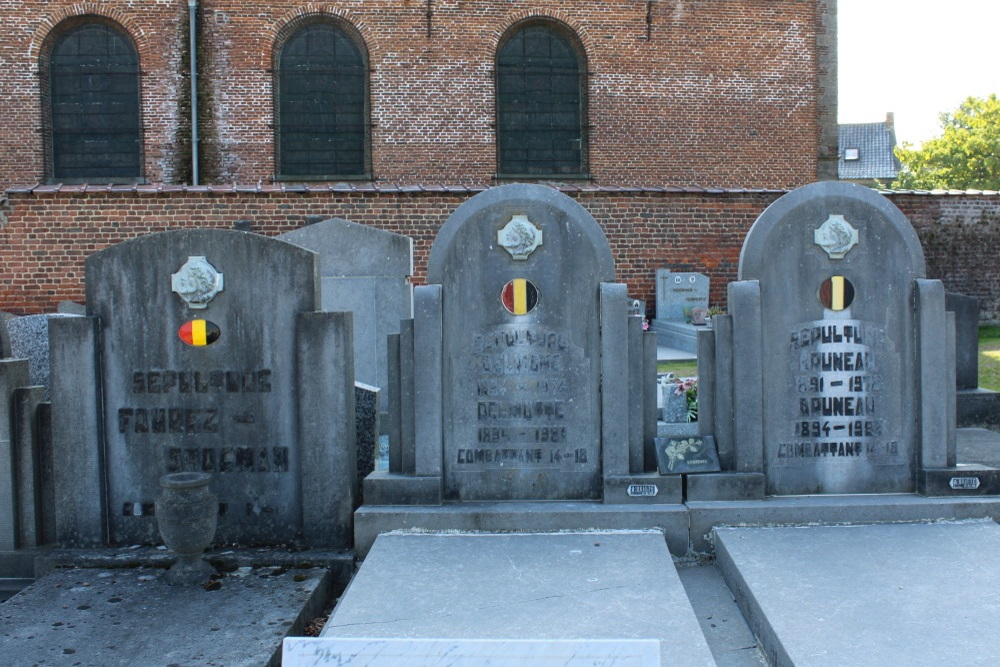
866, 152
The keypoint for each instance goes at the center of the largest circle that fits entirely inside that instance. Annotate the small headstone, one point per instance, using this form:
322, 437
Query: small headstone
678, 294
29, 339
675, 405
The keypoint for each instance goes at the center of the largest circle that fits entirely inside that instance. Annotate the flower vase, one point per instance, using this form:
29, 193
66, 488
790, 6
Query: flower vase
187, 513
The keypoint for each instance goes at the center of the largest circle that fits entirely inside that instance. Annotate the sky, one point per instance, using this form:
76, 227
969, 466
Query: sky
916, 58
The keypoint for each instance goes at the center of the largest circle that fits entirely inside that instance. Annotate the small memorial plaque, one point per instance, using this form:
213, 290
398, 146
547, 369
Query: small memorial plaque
642, 490
686, 455
969, 483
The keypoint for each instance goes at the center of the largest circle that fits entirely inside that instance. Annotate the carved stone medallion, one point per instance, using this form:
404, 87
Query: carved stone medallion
197, 282
519, 237
836, 236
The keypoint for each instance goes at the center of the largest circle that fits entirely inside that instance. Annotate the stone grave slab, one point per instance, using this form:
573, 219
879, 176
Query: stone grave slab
891, 594
366, 271
542, 586
130, 616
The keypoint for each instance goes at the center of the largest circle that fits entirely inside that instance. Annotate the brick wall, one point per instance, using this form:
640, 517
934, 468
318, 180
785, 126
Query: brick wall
735, 93
47, 232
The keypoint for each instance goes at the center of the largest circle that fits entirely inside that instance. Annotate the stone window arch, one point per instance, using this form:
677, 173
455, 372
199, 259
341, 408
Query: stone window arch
541, 102
321, 109
91, 111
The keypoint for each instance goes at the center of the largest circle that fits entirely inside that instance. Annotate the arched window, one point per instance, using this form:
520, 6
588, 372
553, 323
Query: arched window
321, 110
91, 104
541, 103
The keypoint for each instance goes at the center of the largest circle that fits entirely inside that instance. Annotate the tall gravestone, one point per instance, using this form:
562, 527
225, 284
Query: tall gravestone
204, 350
366, 271
834, 372
520, 377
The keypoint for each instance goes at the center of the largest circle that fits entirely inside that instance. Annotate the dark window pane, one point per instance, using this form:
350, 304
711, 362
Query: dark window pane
539, 104
321, 109
94, 102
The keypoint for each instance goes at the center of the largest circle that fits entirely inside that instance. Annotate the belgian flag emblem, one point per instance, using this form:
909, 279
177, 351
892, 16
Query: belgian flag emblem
836, 293
519, 296
198, 333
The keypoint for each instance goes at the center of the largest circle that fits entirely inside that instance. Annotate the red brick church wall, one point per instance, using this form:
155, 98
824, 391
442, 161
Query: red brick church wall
46, 233
731, 93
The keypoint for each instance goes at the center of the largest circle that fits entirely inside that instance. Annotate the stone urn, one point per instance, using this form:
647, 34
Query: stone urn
187, 513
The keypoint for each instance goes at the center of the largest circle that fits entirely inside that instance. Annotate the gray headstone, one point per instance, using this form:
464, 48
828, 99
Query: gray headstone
266, 405
29, 339
679, 294
836, 266
366, 271
521, 381
966, 309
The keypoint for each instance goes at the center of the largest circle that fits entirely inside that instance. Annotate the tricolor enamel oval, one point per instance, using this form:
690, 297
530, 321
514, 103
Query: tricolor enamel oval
519, 296
198, 333
836, 293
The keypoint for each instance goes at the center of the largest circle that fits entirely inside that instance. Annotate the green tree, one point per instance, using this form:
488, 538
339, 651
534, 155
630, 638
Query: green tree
965, 157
